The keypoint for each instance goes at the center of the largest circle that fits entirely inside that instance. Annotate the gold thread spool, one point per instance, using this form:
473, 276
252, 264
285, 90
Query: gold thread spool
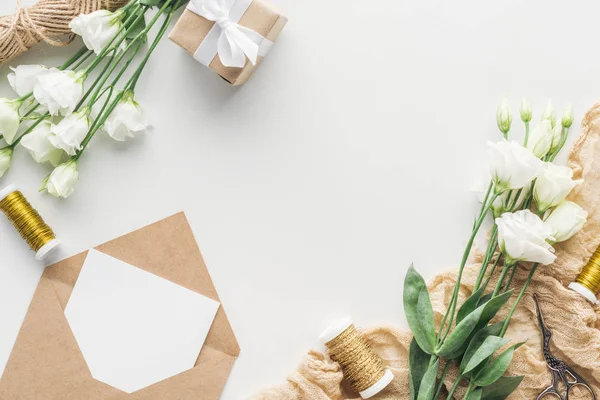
363, 369
588, 282
28, 222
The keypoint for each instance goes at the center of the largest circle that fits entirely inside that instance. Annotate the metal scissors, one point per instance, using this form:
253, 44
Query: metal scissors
560, 370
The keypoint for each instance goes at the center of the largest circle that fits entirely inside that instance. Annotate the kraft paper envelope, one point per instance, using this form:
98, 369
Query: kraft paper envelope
46, 363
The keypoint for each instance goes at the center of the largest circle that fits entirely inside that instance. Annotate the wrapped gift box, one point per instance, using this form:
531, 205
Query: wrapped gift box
200, 36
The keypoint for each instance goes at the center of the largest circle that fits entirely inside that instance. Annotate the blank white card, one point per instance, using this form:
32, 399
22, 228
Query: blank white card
135, 328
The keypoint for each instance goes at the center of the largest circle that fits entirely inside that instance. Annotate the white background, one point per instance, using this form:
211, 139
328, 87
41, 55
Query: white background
350, 154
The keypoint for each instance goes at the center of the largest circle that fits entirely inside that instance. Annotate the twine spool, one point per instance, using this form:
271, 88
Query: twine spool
363, 369
587, 283
47, 20
32, 228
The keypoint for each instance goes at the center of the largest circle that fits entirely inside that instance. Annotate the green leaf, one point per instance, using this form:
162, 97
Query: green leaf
133, 29
487, 331
418, 310
487, 348
460, 334
502, 388
469, 305
496, 368
151, 3
477, 341
492, 306
418, 362
475, 395
427, 388
485, 298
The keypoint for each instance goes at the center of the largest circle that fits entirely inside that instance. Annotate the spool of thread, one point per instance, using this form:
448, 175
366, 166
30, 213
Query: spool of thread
363, 369
587, 283
26, 220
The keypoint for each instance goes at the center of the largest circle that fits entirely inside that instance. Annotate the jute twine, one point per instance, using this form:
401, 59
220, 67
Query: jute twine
362, 367
48, 20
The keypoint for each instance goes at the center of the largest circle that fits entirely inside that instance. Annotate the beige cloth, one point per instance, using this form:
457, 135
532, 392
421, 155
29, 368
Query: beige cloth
574, 321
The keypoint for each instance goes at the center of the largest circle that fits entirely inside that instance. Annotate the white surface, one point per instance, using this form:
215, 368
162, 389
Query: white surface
348, 155
135, 328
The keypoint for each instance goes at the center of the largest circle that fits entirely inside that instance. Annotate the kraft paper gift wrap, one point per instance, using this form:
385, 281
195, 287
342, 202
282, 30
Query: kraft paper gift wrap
46, 362
192, 29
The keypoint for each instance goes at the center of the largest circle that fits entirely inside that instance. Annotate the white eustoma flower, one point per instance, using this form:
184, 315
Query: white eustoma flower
126, 119
525, 110
567, 117
61, 181
503, 117
37, 142
5, 159
553, 185
557, 134
24, 78
58, 90
512, 166
98, 28
9, 119
540, 139
70, 132
523, 236
566, 220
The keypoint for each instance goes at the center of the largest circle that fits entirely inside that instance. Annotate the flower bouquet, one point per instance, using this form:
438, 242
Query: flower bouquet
60, 109
526, 196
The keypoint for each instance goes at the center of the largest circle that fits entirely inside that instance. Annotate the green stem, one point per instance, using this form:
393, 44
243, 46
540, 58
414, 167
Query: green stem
84, 59
563, 140
469, 389
441, 382
74, 58
491, 250
526, 134
487, 280
453, 301
453, 389
501, 278
510, 278
159, 35
521, 293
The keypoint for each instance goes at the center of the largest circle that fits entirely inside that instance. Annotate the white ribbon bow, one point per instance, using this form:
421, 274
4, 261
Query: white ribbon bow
235, 42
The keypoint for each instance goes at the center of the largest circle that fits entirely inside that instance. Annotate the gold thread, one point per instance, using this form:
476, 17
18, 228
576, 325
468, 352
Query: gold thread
361, 366
590, 275
26, 220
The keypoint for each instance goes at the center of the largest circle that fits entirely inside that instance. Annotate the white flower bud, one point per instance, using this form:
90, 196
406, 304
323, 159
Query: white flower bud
503, 117
126, 119
70, 132
553, 185
566, 220
567, 118
98, 28
525, 110
540, 139
549, 114
61, 181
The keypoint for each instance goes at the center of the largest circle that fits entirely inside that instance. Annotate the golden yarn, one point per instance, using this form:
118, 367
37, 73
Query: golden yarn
590, 275
26, 220
47, 20
361, 366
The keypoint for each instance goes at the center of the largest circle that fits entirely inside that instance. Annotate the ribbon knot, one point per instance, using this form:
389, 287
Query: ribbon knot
234, 43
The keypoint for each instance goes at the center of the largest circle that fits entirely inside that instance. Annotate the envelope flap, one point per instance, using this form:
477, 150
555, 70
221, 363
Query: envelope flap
168, 249
46, 360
